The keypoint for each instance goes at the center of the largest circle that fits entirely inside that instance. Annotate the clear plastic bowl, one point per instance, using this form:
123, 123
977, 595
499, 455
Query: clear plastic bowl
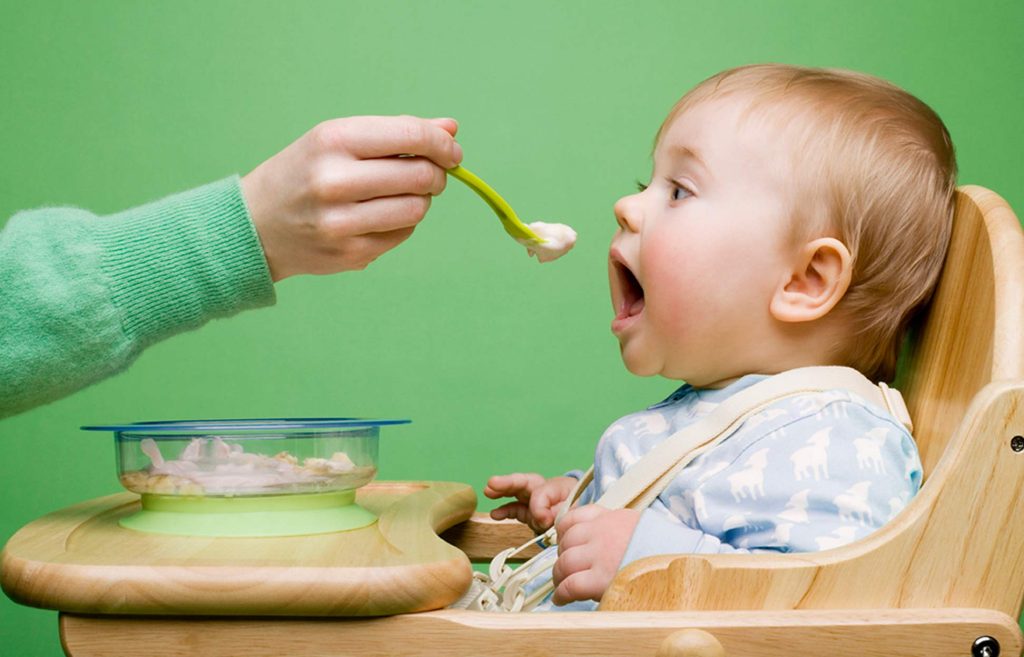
199, 472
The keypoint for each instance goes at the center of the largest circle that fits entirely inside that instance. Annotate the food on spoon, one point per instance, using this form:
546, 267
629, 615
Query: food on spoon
558, 239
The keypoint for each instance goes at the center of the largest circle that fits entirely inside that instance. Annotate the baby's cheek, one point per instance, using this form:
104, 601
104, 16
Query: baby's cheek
677, 284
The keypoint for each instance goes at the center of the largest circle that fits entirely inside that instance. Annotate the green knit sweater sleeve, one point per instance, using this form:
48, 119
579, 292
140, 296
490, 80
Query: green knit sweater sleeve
81, 295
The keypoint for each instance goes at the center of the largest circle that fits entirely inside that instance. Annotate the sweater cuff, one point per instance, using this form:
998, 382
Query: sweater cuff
180, 261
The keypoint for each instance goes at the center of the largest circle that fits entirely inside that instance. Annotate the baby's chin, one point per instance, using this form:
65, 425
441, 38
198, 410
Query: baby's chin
638, 364
644, 365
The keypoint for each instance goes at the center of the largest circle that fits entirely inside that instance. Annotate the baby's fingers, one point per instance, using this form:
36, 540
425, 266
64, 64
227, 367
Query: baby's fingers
514, 510
578, 586
544, 508
543, 516
579, 515
569, 563
516, 484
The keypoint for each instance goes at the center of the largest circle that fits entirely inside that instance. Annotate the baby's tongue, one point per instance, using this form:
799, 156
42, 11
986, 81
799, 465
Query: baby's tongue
636, 307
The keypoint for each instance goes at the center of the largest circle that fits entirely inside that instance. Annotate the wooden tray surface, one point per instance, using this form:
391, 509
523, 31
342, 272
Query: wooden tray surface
80, 560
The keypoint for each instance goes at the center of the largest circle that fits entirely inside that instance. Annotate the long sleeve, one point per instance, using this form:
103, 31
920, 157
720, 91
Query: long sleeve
81, 295
658, 534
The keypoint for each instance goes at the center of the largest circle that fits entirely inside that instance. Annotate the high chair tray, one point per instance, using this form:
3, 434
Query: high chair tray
80, 560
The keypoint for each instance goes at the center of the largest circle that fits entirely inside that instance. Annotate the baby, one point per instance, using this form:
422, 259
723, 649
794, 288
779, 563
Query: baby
795, 217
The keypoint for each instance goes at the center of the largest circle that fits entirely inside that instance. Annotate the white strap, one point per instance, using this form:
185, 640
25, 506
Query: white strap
652, 473
645, 480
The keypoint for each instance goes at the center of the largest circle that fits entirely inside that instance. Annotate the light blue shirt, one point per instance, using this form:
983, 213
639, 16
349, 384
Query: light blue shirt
809, 472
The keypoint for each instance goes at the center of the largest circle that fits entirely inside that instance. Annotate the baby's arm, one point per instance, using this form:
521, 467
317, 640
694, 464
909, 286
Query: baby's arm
537, 499
786, 489
809, 483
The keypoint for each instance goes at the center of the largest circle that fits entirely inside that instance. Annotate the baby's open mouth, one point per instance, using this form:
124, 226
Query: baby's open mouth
631, 293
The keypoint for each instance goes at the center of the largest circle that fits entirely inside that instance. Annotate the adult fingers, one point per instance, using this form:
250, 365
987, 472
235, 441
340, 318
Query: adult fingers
368, 137
342, 180
449, 125
379, 215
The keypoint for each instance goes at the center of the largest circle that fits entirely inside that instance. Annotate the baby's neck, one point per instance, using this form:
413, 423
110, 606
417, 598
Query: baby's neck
717, 385
782, 361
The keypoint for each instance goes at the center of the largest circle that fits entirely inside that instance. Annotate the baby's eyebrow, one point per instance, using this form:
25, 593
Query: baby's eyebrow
687, 153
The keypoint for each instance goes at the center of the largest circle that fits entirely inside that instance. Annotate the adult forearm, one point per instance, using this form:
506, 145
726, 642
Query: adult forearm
81, 295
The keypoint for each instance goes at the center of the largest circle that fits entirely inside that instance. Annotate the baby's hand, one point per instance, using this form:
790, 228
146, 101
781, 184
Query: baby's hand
591, 543
340, 195
537, 499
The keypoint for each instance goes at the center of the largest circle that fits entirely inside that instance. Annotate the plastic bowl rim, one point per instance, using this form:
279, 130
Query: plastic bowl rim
243, 425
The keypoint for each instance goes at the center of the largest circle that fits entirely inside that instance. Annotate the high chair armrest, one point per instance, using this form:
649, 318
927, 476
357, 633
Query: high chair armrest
481, 538
711, 582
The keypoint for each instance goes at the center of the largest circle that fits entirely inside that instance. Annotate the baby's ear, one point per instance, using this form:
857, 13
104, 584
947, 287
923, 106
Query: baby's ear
820, 277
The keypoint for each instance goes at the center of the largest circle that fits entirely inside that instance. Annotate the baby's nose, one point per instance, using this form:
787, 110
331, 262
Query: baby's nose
627, 212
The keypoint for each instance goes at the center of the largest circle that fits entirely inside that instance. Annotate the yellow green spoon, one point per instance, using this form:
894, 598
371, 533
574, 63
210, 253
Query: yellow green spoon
513, 226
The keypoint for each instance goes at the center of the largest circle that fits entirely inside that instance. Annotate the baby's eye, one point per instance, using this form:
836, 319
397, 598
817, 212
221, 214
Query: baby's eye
679, 193
640, 187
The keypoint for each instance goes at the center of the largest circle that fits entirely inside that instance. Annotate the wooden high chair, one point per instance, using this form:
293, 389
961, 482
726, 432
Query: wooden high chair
945, 577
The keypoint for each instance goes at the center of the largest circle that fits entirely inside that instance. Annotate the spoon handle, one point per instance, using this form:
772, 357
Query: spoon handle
513, 226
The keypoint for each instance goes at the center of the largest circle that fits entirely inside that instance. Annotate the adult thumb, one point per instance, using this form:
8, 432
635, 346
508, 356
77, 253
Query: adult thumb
451, 126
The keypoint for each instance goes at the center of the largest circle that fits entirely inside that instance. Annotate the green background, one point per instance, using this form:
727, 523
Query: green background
502, 364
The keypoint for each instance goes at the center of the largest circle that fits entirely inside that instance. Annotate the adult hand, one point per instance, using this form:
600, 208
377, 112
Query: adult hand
591, 543
348, 190
537, 499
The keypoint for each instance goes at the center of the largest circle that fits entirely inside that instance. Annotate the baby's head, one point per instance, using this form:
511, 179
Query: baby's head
795, 217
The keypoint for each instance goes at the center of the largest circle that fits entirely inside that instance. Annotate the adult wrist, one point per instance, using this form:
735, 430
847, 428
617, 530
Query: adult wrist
175, 263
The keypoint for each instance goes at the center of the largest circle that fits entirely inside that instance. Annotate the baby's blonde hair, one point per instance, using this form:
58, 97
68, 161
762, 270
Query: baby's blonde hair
874, 167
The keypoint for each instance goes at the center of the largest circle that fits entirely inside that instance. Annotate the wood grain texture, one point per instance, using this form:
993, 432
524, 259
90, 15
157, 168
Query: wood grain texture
690, 643
907, 633
959, 542
481, 538
79, 559
972, 333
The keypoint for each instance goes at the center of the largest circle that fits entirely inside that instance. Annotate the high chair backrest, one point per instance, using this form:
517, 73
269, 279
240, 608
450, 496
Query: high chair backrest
973, 331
